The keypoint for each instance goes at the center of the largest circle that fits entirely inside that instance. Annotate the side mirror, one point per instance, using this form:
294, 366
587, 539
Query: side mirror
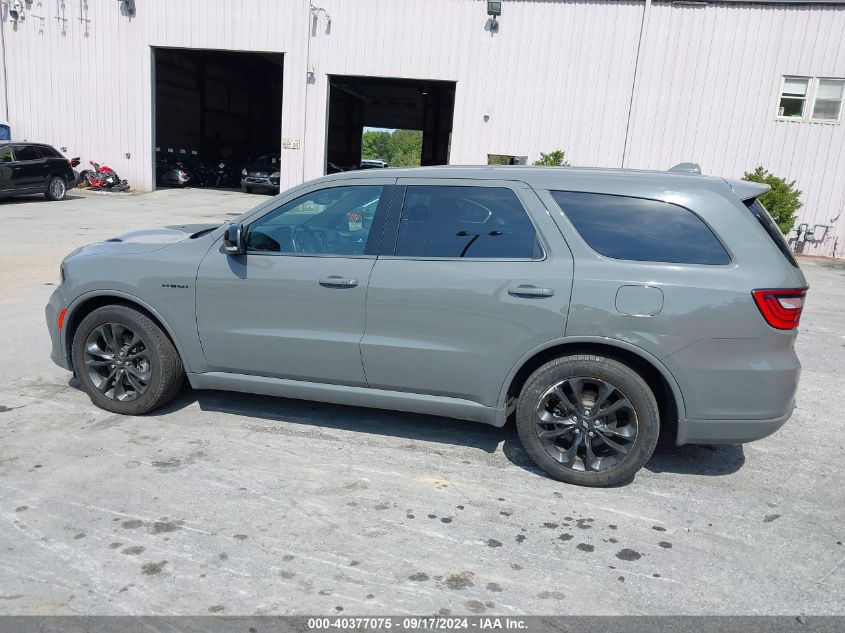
233, 240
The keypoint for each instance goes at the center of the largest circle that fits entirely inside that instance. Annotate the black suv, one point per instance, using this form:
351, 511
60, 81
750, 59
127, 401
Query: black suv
27, 168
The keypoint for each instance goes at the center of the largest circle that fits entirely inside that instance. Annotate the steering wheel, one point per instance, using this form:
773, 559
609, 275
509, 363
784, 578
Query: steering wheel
301, 245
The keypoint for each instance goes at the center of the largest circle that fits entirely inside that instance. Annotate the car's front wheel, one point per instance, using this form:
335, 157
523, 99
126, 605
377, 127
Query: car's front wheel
246, 189
588, 420
56, 188
125, 362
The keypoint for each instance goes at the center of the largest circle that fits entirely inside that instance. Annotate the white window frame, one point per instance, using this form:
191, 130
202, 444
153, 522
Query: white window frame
809, 101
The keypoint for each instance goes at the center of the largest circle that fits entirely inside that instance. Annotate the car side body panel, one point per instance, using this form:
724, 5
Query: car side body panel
452, 327
163, 284
447, 337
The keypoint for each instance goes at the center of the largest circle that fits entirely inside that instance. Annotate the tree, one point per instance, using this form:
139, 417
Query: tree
400, 148
782, 201
374, 144
557, 158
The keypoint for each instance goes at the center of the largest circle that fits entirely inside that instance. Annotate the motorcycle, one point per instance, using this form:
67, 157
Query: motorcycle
102, 177
224, 176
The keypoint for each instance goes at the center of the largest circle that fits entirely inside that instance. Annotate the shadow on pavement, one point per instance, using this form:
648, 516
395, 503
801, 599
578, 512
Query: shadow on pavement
713, 461
33, 197
685, 460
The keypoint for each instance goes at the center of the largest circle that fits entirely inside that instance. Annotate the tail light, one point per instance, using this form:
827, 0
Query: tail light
782, 307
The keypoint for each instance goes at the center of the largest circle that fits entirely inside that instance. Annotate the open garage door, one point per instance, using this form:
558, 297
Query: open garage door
359, 103
215, 108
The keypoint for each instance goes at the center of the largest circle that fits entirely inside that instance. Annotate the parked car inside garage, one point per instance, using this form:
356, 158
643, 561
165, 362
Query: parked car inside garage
30, 168
262, 175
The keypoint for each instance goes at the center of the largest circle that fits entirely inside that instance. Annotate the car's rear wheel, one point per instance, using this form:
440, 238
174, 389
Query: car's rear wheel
125, 362
56, 188
588, 420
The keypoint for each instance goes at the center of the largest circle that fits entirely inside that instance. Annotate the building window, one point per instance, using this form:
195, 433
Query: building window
811, 99
793, 97
828, 102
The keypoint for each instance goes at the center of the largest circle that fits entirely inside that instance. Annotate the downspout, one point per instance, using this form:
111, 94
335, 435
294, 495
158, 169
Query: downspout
5, 72
646, 9
311, 25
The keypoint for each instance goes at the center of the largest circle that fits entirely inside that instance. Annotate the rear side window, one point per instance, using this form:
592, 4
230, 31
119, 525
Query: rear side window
6, 154
47, 152
465, 222
641, 230
26, 152
762, 216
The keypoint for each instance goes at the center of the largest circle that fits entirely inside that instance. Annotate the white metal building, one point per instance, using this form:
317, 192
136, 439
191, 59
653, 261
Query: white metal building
635, 83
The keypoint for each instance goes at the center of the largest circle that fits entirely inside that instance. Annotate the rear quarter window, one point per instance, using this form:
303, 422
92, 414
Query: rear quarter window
762, 216
639, 229
48, 152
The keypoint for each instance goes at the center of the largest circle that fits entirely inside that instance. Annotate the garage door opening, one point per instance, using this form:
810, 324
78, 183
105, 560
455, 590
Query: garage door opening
378, 122
215, 112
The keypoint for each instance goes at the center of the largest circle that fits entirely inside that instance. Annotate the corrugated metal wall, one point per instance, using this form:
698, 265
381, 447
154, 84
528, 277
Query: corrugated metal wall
558, 74
708, 91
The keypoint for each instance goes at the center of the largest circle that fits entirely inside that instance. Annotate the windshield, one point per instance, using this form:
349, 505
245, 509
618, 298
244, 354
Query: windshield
270, 160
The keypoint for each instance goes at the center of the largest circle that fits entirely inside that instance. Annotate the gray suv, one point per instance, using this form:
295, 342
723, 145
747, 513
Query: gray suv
591, 306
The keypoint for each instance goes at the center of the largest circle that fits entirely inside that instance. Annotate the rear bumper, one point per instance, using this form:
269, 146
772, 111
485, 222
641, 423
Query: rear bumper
729, 431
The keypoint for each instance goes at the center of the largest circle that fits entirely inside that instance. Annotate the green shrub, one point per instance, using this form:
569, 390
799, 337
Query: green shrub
782, 201
556, 158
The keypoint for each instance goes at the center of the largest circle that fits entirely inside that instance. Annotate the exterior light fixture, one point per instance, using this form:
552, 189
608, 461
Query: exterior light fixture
127, 7
16, 12
494, 10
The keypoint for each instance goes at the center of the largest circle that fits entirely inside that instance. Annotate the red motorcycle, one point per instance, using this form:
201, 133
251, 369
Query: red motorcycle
103, 177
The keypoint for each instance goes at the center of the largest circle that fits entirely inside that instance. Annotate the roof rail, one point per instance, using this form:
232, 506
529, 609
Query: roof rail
687, 168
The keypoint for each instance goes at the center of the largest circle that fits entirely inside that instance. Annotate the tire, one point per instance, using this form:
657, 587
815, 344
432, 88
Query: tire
56, 188
246, 189
149, 361
628, 418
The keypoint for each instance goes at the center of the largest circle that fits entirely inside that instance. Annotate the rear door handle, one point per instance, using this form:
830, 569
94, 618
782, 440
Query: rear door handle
530, 291
338, 282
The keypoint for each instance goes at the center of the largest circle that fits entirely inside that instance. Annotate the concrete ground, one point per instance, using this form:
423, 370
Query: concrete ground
237, 504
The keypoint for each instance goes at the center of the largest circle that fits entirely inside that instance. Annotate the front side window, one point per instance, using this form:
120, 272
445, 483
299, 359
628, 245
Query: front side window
333, 221
6, 154
642, 230
26, 152
465, 222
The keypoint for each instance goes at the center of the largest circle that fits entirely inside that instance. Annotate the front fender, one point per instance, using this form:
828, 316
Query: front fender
182, 332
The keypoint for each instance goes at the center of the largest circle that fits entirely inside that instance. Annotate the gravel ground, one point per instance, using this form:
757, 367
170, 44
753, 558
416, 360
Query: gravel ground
238, 504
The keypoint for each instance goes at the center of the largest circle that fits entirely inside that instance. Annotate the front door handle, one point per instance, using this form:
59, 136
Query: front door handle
530, 291
338, 282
